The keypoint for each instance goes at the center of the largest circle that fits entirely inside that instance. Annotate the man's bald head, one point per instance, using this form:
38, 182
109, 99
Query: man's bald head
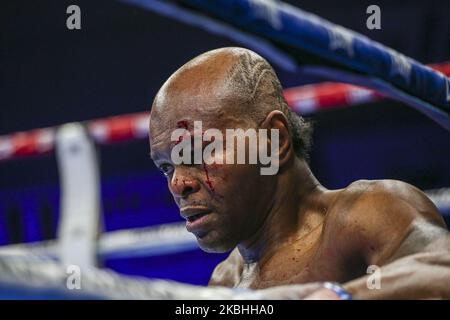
230, 88
229, 81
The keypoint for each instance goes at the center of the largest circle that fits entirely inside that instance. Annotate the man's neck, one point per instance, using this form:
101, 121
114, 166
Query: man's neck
296, 192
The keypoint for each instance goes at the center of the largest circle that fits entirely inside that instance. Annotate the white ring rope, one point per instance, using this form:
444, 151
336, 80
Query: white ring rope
139, 242
33, 277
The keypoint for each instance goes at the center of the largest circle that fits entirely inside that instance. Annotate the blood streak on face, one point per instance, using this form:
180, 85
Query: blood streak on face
208, 181
184, 124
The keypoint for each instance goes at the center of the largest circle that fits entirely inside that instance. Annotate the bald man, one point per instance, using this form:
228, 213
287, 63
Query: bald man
372, 239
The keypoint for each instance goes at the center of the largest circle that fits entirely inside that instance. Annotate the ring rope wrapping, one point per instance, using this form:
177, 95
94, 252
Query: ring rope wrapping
318, 47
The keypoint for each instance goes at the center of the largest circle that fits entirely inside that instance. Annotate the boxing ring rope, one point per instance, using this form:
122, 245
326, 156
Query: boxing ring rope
34, 277
301, 42
328, 95
140, 242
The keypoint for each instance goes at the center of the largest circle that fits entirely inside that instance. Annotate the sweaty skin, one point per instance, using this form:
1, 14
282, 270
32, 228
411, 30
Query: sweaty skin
287, 228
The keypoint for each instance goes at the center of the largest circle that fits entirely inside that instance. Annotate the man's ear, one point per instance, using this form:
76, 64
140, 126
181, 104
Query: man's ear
277, 120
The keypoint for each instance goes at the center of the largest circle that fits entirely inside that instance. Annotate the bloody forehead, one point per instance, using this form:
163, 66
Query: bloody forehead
184, 124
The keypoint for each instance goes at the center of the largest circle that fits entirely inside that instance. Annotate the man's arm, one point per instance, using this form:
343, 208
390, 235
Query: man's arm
400, 231
423, 275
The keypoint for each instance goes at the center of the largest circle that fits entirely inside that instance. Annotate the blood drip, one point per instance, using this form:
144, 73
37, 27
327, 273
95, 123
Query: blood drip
207, 178
183, 124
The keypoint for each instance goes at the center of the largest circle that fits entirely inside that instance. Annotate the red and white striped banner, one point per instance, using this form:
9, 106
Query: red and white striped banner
103, 131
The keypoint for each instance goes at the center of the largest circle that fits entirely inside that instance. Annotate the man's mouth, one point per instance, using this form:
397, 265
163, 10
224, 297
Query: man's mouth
195, 217
188, 212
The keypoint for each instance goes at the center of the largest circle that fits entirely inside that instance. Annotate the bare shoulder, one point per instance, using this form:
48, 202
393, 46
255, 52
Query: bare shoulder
227, 273
388, 200
374, 217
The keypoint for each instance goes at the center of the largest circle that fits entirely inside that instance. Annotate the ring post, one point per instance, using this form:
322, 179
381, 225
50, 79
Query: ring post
80, 196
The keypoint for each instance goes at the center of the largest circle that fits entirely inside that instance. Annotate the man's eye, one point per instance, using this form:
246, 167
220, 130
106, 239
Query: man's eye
166, 169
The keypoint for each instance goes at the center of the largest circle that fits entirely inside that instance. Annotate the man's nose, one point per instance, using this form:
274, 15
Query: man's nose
182, 185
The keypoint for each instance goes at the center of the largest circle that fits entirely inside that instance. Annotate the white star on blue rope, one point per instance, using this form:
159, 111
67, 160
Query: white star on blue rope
341, 38
400, 65
268, 10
